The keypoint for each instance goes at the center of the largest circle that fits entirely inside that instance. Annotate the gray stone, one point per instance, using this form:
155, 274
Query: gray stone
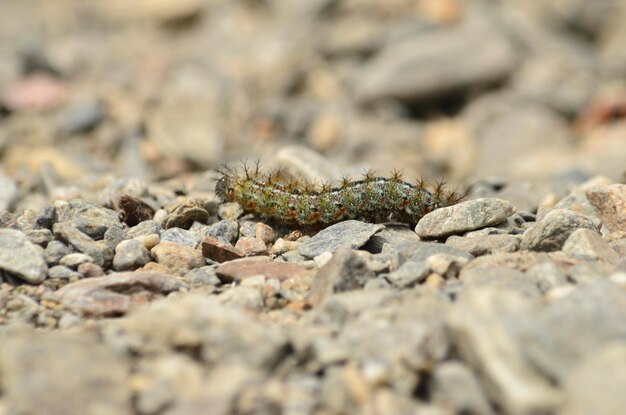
455, 386
588, 244
463, 217
90, 378
390, 238
409, 274
247, 298
8, 192
225, 229
550, 233
344, 272
74, 259
82, 117
130, 255
55, 250
548, 275
610, 202
177, 258
557, 338
181, 237
21, 257
421, 251
147, 227
481, 337
596, 386
203, 276
347, 234
487, 244
425, 67
101, 253
185, 214
63, 272
39, 237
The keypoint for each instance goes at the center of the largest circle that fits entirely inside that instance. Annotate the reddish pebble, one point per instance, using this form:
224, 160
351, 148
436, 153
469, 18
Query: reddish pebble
251, 246
218, 251
38, 92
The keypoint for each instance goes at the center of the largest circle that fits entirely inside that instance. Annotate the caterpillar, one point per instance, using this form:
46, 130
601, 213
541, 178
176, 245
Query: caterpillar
371, 199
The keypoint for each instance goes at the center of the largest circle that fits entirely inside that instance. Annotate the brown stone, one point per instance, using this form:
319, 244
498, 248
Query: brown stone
178, 258
215, 250
251, 246
248, 267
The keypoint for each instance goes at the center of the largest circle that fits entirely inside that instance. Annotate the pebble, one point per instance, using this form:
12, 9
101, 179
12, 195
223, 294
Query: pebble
464, 217
55, 250
551, 232
251, 246
247, 267
409, 274
21, 257
63, 272
247, 298
116, 294
82, 117
201, 277
134, 210
610, 202
147, 227
264, 232
226, 229
130, 255
149, 241
8, 192
185, 214
347, 234
456, 386
89, 270
177, 258
588, 244
181, 236
218, 251
345, 271
73, 260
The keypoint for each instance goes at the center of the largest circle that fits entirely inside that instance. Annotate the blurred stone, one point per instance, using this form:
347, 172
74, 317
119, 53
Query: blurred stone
589, 244
251, 246
82, 117
130, 255
483, 245
248, 267
178, 258
348, 234
8, 192
610, 202
21, 257
552, 231
218, 251
456, 386
181, 236
38, 92
185, 214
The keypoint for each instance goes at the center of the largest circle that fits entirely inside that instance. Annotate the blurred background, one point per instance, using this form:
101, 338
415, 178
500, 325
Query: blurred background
517, 98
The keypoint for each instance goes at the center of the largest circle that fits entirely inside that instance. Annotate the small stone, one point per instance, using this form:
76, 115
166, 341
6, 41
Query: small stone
147, 227
281, 246
347, 234
185, 214
242, 297
486, 244
344, 272
243, 268
456, 386
226, 229
73, 260
100, 252
116, 294
82, 117
501, 279
38, 92
446, 265
130, 255
550, 233
89, 270
464, 217
251, 246
585, 243
610, 202
63, 272
421, 251
8, 192
160, 216
229, 211
409, 274
134, 210
39, 237
21, 257
548, 275
181, 237
390, 238
201, 277
55, 250
178, 258
218, 251
264, 233
149, 241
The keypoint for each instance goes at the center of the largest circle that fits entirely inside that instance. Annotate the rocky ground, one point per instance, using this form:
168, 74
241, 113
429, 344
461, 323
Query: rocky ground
129, 288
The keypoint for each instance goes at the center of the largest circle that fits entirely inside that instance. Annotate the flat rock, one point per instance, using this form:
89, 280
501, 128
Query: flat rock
426, 66
117, 293
464, 217
251, 246
219, 251
347, 234
551, 232
421, 251
588, 244
181, 236
130, 255
610, 202
21, 257
91, 378
486, 244
185, 214
248, 267
345, 271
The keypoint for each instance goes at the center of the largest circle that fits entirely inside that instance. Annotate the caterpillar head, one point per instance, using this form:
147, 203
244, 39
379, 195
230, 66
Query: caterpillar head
224, 189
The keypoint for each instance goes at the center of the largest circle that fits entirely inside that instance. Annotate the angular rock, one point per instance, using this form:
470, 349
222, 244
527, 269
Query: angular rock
588, 244
90, 378
347, 234
134, 210
63, 272
550, 233
74, 259
463, 217
409, 274
130, 255
421, 251
499, 278
185, 214
218, 251
610, 202
21, 257
456, 386
251, 246
181, 237
345, 271
201, 277
116, 294
101, 253
147, 227
226, 229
